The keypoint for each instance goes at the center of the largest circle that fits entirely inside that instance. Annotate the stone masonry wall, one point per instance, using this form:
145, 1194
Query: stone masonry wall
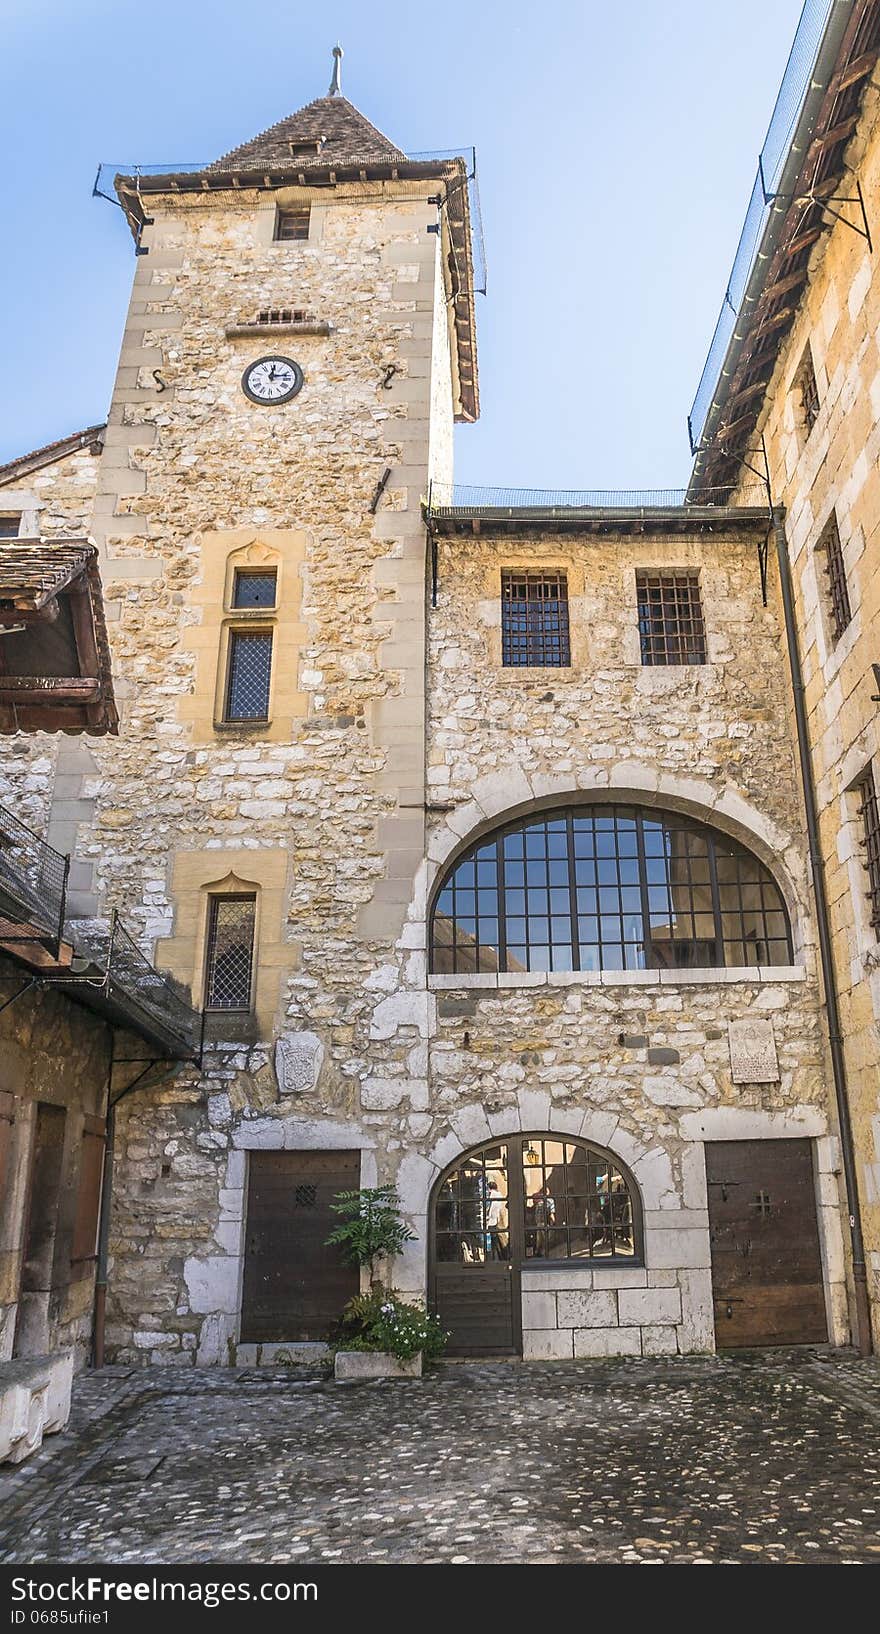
834, 467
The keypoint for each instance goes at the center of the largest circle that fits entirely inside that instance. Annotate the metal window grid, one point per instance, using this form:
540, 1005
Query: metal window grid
254, 587
870, 815
671, 628
250, 669
534, 620
292, 224
10, 526
534, 1199
805, 381
835, 567
229, 962
607, 888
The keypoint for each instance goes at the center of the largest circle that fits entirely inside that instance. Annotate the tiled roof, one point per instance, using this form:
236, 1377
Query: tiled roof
332, 120
32, 572
50, 452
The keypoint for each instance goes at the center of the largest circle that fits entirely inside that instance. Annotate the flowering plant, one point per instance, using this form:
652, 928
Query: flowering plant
385, 1321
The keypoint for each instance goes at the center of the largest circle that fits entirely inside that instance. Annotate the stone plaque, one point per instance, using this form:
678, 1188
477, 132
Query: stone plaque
753, 1052
298, 1061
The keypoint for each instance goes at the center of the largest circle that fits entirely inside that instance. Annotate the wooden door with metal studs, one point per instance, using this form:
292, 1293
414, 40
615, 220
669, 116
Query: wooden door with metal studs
766, 1262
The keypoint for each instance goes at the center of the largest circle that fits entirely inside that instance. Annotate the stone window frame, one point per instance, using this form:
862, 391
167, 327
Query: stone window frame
247, 621
529, 559
853, 838
27, 505
197, 877
805, 383
288, 198
220, 552
834, 648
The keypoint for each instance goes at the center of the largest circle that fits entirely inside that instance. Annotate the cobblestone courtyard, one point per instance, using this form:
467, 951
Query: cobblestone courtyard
697, 1459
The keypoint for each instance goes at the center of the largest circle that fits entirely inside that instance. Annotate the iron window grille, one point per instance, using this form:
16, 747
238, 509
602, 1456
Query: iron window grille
534, 620
805, 382
292, 224
250, 671
254, 587
230, 953
10, 526
671, 628
870, 815
835, 567
535, 1197
607, 888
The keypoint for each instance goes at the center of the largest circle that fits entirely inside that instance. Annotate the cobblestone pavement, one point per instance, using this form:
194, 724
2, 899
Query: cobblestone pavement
697, 1459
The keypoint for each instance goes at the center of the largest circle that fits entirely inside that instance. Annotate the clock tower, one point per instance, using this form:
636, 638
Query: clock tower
299, 344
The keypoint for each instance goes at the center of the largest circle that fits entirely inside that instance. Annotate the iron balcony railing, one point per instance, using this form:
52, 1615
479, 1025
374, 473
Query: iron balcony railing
103, 968
121, 981
33, 884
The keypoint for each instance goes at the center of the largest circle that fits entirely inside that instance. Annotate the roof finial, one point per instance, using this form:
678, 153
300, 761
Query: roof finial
336, 81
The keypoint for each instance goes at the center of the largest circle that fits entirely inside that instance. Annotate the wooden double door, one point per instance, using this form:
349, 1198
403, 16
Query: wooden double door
766, 1263
294, 1285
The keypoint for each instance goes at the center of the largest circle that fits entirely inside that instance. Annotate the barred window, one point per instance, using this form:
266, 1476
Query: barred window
870, 815
229, 963
805, 384
250, 670
292, 224
535, 1197
10, 525
835, 568
671, 628
607, 888
534, 620
254, 588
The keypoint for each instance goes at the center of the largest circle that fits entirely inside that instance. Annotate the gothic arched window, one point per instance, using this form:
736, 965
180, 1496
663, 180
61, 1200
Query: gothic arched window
607, 887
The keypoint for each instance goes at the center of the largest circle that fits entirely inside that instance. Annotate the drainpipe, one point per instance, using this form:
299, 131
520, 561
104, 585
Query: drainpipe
829, 978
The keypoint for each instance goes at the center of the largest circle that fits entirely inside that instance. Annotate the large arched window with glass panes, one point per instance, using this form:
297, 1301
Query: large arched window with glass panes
607, 887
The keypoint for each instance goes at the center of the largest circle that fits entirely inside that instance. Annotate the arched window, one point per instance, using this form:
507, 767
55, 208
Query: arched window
535, 1197
607, 887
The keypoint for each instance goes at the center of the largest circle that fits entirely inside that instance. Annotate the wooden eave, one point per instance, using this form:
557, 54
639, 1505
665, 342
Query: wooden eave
821, 175
464, 521
57, 703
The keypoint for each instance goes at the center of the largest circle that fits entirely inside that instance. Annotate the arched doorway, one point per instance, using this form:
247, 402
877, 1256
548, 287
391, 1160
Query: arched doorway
523, 1200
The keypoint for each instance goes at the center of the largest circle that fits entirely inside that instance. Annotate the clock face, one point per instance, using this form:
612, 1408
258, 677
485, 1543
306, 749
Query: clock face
272, 380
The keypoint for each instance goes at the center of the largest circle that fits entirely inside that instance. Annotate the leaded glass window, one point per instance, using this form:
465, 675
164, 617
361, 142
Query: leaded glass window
229, 962
607, 888
254, 587
250, 671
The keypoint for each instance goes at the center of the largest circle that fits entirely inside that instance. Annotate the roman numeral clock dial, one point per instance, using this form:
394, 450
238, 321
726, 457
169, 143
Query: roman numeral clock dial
272, 380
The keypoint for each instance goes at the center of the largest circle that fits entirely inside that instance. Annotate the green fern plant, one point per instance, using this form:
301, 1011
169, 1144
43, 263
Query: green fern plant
372, 1228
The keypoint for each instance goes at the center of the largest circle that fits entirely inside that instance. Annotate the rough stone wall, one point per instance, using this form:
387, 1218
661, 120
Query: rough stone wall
711, 739
341, 794
835, 466
379, 1053
55, 502
55, 1052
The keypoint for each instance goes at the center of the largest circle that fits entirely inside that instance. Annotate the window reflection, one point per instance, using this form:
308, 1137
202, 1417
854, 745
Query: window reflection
572, 1201
608, 888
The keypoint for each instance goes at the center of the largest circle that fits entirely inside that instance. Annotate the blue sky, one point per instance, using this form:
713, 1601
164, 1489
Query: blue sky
616, 147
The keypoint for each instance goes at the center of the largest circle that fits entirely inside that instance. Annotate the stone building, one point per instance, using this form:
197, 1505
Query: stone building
800, 387
475, 828
82, 1012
